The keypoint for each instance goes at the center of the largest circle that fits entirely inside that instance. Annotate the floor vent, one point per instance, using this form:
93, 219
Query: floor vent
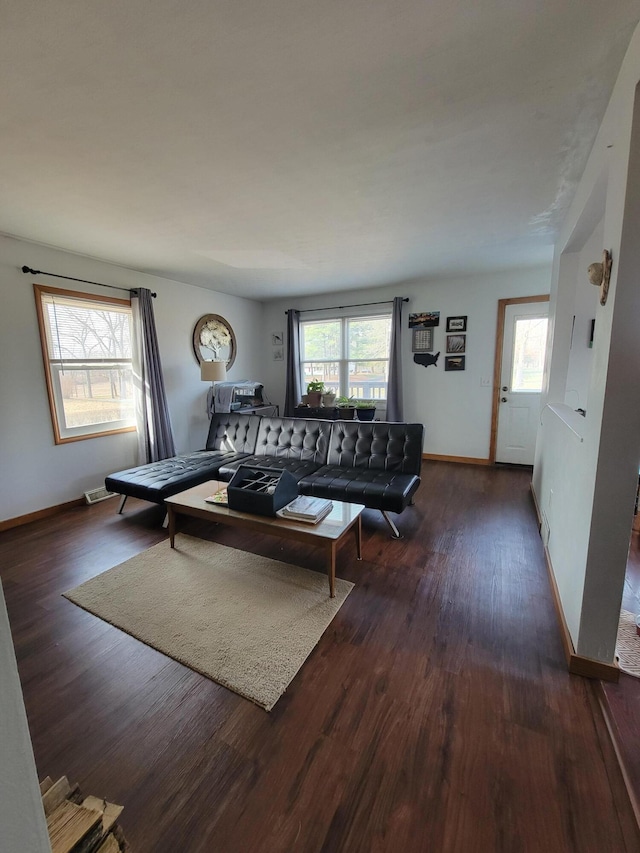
96, 495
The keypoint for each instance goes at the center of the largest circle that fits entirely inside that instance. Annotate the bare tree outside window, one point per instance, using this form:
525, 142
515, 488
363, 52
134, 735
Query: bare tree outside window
87, 340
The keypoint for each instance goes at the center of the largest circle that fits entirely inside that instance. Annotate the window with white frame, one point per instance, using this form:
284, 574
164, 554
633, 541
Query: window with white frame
87, 351
349, 354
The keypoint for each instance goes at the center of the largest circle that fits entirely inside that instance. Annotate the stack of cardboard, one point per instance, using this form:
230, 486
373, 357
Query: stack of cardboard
80, 824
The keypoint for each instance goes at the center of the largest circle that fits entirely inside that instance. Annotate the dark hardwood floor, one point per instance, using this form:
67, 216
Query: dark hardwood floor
436, 713
622, 700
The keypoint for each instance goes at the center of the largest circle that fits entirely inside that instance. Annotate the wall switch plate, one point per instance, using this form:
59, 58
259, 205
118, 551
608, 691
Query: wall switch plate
484, 382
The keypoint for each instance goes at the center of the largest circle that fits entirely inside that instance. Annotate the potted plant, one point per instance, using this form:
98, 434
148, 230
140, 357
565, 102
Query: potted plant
366, 410
315, 390
347, 408
329, 398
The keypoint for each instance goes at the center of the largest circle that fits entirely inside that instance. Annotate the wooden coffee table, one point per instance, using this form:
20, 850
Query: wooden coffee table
327, 534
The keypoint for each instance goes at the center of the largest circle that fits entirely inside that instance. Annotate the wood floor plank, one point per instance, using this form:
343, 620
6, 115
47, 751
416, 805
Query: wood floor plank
435, 713
621, 701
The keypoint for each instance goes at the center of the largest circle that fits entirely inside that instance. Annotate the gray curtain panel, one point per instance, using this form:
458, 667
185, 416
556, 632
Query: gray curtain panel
394, 387
155, 437
293, 388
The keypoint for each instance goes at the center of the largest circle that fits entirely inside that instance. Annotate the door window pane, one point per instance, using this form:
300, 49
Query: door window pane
530, 340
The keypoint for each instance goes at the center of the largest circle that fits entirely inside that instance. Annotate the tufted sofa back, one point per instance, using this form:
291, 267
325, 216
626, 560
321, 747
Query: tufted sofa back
381, 445
294, 438
348, 444
233, 432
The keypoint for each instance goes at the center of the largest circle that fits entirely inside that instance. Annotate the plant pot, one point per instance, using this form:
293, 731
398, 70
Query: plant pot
305, 399
314, 398
347, 413
328, 400
366, 414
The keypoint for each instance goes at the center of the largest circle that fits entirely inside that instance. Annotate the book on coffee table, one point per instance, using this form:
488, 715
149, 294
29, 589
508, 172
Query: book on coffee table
303, 508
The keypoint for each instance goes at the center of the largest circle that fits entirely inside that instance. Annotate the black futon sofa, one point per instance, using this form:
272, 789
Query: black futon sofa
372, 463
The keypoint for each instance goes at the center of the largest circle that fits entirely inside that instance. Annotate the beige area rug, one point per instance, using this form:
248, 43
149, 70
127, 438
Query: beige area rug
245, 621
628, 644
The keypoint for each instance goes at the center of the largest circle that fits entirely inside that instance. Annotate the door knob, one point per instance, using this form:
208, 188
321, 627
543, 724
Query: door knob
505, 387
503, 399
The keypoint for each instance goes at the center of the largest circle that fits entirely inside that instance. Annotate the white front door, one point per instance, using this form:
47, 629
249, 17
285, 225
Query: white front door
523, 349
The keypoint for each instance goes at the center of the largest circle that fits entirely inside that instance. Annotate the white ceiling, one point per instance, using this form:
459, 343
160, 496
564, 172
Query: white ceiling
300, 146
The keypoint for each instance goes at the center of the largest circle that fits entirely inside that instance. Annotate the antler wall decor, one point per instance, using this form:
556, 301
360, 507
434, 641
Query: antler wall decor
600, 275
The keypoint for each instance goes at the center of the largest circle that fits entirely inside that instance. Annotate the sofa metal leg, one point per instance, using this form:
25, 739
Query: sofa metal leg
123, 501
395, 533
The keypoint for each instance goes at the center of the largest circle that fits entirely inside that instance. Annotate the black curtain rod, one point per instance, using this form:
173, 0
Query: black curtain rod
356, 305
83, 280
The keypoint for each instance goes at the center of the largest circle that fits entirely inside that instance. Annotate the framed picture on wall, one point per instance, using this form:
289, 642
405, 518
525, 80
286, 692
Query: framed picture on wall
422, 340
424, 320
214, 340
454, 362
457, 324
456, 343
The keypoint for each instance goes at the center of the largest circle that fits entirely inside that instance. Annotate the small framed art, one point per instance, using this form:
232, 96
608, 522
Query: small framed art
457, 324
422, 340
424, 320
456, 343
454, 362
277, 339
278, 354
213, 336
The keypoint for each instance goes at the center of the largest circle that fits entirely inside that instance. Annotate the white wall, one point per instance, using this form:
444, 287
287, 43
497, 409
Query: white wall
34, 472
585, 306
586, 469
22, 822
454, 407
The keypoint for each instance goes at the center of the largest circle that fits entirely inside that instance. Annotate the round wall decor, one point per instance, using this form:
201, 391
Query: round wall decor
214, 340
